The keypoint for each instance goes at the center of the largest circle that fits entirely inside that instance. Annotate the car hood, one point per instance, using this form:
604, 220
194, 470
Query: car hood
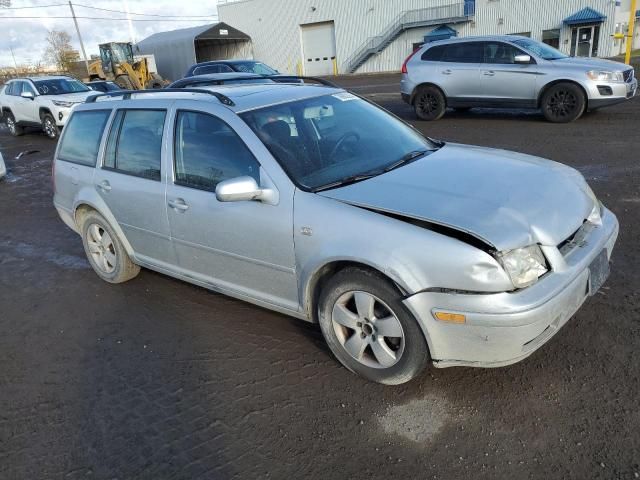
77, 97
508, 200
590, 63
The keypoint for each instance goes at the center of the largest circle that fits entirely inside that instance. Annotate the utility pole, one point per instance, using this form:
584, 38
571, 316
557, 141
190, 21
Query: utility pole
84, 54
15, 64
632, 22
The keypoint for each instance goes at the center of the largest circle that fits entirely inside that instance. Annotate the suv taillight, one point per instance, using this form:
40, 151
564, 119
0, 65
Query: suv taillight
406, 60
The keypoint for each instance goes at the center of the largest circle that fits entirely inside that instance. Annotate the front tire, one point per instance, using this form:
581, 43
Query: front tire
105, 252
563, 103
14, 129
429, 103
49, 126
368, 328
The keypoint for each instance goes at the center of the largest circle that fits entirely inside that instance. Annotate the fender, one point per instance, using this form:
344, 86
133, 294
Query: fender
88, 196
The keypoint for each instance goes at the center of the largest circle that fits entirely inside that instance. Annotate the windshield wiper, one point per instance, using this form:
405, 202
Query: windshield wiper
348, 180
408, 158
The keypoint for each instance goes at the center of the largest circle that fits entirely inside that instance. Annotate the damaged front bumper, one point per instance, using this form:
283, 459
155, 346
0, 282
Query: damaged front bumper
504, 328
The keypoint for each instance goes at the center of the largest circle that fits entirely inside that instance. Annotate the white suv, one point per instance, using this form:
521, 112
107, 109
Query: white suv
44, 102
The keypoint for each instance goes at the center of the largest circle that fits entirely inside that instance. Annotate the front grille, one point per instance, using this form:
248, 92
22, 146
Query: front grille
628, 75
577, 239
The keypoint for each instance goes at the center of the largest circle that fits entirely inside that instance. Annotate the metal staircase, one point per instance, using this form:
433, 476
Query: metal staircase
458, 12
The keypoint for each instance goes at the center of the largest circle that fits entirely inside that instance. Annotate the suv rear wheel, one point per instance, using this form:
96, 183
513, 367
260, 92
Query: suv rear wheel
105, 252
429, 103
49, 126
368, 328
14, 129
563, 103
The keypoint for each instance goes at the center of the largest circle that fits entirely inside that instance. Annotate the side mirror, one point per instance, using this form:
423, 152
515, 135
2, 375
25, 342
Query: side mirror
28, 95
522, 59
242, 189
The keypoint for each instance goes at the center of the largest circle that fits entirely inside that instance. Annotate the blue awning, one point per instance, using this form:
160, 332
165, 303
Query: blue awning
441, 33
586, 15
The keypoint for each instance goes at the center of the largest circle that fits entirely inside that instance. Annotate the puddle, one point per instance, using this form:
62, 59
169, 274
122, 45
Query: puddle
419, 420
19, 251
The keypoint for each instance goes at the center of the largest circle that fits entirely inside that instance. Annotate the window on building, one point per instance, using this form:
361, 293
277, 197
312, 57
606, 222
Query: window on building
82, 135
463, 52
208, 151
551, 37
135, 143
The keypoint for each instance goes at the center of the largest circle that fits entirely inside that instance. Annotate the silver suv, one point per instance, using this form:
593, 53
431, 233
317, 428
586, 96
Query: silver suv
510, 71
313, 202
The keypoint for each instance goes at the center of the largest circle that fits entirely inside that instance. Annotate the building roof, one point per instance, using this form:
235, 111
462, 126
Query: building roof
586, 15
211, 31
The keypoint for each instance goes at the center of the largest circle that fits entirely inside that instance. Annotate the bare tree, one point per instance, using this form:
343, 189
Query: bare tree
59, 51
5, 3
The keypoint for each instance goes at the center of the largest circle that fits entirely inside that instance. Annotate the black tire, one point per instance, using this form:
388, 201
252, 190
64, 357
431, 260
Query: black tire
49, 126
14, 129
123, 268
429, 103
153, 84
413, 351
123, 81
563, 103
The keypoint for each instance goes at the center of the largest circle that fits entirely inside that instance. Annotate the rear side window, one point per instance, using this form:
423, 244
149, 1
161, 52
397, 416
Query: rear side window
134, 146
207, 151
467, 52
82, 135
434, 54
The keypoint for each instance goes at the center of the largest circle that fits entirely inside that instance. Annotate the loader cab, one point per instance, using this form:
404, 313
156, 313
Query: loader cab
115, 53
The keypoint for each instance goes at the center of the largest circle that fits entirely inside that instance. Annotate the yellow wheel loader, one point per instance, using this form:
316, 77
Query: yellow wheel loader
116, 64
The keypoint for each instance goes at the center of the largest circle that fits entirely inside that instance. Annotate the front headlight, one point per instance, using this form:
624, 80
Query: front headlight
605, 76
595, 216
60, 103
524, 265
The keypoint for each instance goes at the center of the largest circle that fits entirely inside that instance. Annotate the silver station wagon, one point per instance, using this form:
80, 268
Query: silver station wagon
313, 202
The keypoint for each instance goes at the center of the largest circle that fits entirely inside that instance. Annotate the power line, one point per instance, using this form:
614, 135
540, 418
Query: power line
35, 6
144, 14
107, 18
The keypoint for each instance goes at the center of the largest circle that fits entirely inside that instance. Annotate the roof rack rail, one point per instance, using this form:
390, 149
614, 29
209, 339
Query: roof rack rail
281, 78
240, 76
126, 94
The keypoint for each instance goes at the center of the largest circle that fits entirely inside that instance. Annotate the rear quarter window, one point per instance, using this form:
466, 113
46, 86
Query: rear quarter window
82, 135
433, 54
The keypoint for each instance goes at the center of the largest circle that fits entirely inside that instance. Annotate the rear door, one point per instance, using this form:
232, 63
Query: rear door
244, 247
503, 80
131, 182
459, 70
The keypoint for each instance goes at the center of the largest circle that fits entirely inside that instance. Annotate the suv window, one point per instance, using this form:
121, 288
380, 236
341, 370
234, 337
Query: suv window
134, 145
26, 87
208, 151
434, 54
15, 88
212, 69
82, 135
500, 53
459, 52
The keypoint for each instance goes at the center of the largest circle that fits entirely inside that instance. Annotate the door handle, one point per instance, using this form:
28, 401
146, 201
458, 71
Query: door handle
105, 186
489, 73
447, 72
178, 204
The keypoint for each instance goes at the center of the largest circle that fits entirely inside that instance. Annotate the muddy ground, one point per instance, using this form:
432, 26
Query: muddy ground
159, 379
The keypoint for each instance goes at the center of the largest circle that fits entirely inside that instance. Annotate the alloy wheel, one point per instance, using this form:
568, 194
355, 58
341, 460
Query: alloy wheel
49, 128
428, 103
11, 124
368, 329
101, 248
562, 103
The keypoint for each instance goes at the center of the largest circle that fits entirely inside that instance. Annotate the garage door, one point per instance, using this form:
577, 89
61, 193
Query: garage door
319, 48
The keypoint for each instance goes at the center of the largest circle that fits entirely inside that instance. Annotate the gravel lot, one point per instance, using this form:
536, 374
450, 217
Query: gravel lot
160, 379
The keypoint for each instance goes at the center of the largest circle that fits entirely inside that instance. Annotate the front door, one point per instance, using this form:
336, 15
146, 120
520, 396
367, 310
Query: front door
243, 247
584, 41
504, 81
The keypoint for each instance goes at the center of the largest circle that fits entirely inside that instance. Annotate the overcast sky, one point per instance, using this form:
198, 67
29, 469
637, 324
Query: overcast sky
27, 36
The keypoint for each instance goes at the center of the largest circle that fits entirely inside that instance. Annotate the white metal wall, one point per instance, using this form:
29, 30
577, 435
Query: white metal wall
274, 25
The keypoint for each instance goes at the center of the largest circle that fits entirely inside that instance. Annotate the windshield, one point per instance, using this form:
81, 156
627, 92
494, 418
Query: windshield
59, 86
540, 49
334, 139
254, 67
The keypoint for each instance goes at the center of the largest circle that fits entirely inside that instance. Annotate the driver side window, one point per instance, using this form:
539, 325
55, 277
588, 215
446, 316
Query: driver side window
207, 151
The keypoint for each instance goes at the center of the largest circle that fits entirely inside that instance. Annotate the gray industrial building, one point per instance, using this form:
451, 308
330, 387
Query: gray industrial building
175, 51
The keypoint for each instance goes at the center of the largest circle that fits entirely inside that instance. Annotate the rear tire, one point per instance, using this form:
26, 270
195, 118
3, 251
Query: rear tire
49, 126
124, 81
104, 250
429, 103
14, 129
563, 103
368, 328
